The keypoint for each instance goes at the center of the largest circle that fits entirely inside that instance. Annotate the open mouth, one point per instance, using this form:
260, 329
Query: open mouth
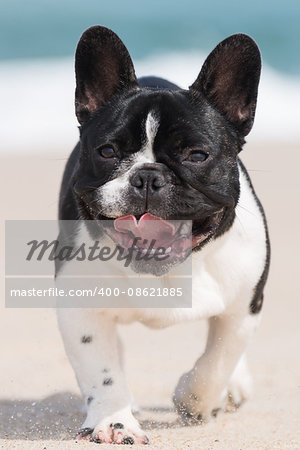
151, 235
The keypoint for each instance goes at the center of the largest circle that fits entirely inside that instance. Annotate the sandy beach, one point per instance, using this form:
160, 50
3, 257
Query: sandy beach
40, 404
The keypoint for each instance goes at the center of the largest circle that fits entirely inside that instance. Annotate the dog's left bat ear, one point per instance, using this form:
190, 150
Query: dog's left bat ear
102, 67
229, 80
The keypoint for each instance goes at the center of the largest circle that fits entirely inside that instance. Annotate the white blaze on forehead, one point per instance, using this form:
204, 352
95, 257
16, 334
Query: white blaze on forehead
152, 124
151, 128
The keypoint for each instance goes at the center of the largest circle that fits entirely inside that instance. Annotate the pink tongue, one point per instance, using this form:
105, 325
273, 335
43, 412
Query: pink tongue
148, 227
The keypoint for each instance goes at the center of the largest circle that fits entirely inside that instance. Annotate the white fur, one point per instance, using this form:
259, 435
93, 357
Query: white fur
94, 363
151, 127
225, 273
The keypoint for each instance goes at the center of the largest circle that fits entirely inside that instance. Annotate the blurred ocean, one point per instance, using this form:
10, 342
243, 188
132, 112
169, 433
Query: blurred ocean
38, 39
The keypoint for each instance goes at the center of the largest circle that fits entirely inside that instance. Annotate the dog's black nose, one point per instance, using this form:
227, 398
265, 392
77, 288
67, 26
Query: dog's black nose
149, 180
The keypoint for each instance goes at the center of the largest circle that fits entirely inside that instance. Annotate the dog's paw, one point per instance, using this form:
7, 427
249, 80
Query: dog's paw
192, 406
115, 429
119, 433
198, 398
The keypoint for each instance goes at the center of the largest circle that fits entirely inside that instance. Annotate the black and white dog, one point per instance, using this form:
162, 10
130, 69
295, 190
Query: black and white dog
150, 149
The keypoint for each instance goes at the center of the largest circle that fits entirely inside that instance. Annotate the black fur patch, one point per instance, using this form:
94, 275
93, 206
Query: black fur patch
118, 425
86, 339
157, 83
258, 296
128, 441
257, 302
107, 382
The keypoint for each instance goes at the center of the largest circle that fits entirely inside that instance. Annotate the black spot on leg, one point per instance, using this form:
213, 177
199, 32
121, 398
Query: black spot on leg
107, 382
86, 339
118, 425
128, 440
105, 370
89, 400
96, 440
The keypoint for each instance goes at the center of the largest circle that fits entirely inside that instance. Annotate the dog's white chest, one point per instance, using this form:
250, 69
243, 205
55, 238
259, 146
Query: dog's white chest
223, 270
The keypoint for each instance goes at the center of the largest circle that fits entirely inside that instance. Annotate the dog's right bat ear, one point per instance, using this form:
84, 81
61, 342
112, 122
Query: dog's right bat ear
229, 80
103, 67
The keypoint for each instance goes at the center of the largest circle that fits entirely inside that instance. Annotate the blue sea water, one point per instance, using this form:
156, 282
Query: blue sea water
51, 28
165, 38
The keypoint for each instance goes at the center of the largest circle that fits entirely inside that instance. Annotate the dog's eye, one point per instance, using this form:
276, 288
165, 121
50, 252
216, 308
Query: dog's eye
107, 152
197, 156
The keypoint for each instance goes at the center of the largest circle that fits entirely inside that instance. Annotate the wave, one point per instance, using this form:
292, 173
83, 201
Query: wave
37, 110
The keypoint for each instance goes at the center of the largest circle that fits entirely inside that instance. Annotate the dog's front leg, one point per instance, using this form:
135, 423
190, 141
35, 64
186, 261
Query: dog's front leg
92, 345
220, 372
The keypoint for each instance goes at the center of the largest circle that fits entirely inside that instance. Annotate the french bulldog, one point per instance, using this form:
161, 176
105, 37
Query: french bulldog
152, 153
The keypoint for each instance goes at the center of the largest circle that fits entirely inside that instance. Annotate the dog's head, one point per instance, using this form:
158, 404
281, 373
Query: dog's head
171, 154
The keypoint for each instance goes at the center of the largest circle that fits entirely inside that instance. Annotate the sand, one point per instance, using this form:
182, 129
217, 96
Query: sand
40, 405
